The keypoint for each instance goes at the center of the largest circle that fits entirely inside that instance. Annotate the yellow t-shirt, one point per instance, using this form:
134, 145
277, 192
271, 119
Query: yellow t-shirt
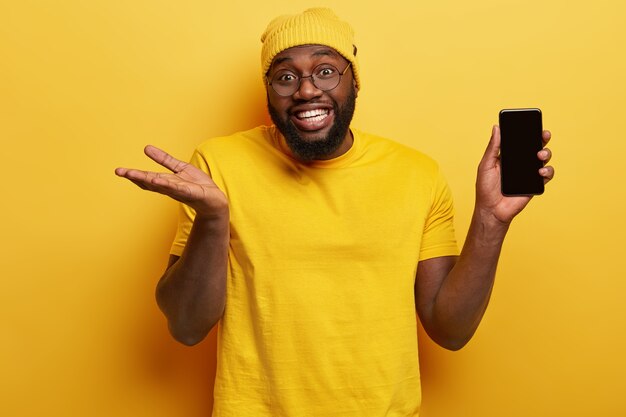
320, 313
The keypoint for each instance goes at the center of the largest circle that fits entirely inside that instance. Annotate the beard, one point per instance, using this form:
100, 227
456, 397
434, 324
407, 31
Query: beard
321, 148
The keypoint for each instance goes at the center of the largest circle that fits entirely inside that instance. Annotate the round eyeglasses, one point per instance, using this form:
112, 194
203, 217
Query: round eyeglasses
324, 77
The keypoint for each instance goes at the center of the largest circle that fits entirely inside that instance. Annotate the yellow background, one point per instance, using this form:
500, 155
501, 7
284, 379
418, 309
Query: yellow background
84, 85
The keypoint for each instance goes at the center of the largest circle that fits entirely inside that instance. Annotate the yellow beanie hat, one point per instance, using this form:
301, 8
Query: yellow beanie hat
317, 26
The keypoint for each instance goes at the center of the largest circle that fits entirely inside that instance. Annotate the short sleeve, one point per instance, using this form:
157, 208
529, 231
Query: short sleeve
439, 237
185, 213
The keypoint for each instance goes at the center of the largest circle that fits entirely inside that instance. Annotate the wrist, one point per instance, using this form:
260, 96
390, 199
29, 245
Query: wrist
488, 226
213, 212
215, 222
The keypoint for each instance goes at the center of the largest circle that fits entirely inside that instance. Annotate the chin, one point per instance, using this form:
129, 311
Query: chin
314, 145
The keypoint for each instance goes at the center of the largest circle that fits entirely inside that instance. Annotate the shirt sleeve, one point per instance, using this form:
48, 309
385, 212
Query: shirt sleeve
439, 236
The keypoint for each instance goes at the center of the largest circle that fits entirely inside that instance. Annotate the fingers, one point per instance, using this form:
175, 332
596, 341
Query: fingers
162, 183
144, 179
164, 159
547, 173
545, 155
138, 184
122, 172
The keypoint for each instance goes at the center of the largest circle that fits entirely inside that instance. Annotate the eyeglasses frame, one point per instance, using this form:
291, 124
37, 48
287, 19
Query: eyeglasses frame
302, 77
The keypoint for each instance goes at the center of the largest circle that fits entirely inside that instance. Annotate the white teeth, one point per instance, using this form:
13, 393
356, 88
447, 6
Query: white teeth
312, 113
316, 118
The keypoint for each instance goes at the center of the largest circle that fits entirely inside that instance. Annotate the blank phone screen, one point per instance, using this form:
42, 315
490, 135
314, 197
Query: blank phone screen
521, 131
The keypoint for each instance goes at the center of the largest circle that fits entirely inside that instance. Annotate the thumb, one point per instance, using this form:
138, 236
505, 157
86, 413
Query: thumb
493, 148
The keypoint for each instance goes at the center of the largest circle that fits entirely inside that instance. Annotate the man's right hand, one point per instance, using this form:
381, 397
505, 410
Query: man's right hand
192, 291
186, 183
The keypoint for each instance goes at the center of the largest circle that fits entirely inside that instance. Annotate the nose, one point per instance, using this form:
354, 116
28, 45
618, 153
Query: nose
307, 90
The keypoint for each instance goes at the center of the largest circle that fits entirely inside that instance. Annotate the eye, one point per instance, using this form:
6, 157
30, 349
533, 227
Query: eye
285, 77
325, 72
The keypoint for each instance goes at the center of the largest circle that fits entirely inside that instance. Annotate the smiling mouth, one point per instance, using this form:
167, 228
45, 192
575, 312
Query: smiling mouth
312, 120
313, 115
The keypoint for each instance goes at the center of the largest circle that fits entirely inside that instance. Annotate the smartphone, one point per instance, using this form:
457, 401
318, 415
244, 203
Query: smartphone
521, 139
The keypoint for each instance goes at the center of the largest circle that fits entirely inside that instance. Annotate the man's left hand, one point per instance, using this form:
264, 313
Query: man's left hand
489, 198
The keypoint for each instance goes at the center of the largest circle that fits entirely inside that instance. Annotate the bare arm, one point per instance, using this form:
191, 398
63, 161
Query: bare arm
452, 293
191, 292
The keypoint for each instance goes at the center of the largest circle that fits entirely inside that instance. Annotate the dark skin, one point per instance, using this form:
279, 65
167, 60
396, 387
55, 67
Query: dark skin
302, 60
192, 291
451, 293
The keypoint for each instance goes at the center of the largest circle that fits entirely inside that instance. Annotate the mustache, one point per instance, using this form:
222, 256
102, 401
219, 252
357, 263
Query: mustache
308, 151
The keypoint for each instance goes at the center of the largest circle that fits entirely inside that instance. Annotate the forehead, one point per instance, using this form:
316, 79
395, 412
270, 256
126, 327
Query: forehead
304, 52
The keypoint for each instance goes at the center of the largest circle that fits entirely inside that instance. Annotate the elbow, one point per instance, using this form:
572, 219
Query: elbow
449, 335
191, 330
189, 336
189, 340
188, 325
449, 341
453, 344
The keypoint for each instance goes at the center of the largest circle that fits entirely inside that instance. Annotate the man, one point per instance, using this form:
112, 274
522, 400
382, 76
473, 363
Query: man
314, 244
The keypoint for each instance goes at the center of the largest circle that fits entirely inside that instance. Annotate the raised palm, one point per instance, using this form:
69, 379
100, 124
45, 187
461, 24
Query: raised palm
185, 183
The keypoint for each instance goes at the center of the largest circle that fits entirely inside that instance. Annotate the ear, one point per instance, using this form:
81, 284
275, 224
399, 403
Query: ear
356, 89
